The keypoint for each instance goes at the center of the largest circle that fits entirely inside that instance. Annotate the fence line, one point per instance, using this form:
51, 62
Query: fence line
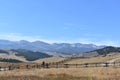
60, 65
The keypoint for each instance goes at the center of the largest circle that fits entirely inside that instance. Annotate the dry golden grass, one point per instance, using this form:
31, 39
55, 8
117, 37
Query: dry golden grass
49, 60
90, 73
96, 73
48, 77
93, 60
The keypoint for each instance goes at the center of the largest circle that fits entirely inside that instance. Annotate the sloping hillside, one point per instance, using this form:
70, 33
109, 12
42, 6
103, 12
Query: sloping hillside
107, 50
22, 55
107, 54
31, 55
98, 52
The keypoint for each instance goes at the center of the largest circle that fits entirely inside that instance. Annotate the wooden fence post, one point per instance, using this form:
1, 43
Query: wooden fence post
86, 64
56, 65
106, 65
27, 66
114, 64
66, 65
96, 65
119, 63
47, 65
10, 67
76, 65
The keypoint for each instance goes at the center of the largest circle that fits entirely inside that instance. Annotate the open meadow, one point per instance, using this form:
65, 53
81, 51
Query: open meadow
64, 73
84, 73
99, 59
59, 39
49, 60
101, 73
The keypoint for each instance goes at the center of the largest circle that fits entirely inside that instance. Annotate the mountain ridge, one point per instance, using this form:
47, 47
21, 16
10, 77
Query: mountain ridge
22, 54
103, 52
66, 48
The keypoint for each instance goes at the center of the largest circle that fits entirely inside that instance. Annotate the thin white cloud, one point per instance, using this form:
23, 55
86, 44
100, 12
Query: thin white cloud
107, 42
18, 37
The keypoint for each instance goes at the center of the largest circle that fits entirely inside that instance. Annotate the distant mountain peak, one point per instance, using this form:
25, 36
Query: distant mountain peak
24, 41
69, 48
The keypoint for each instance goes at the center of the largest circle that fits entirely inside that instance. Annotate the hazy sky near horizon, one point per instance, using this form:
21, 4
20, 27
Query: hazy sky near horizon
72, 21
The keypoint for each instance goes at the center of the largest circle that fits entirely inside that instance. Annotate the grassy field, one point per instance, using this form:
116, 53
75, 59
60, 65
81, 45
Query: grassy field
62, 74
49, 60
90, 73
93, 60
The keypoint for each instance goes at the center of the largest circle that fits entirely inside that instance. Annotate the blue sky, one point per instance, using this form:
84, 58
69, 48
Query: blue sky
72, 21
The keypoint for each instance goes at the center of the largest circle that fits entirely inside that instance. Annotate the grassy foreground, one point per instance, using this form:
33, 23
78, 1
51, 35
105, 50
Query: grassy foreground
62, 74
58, 77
